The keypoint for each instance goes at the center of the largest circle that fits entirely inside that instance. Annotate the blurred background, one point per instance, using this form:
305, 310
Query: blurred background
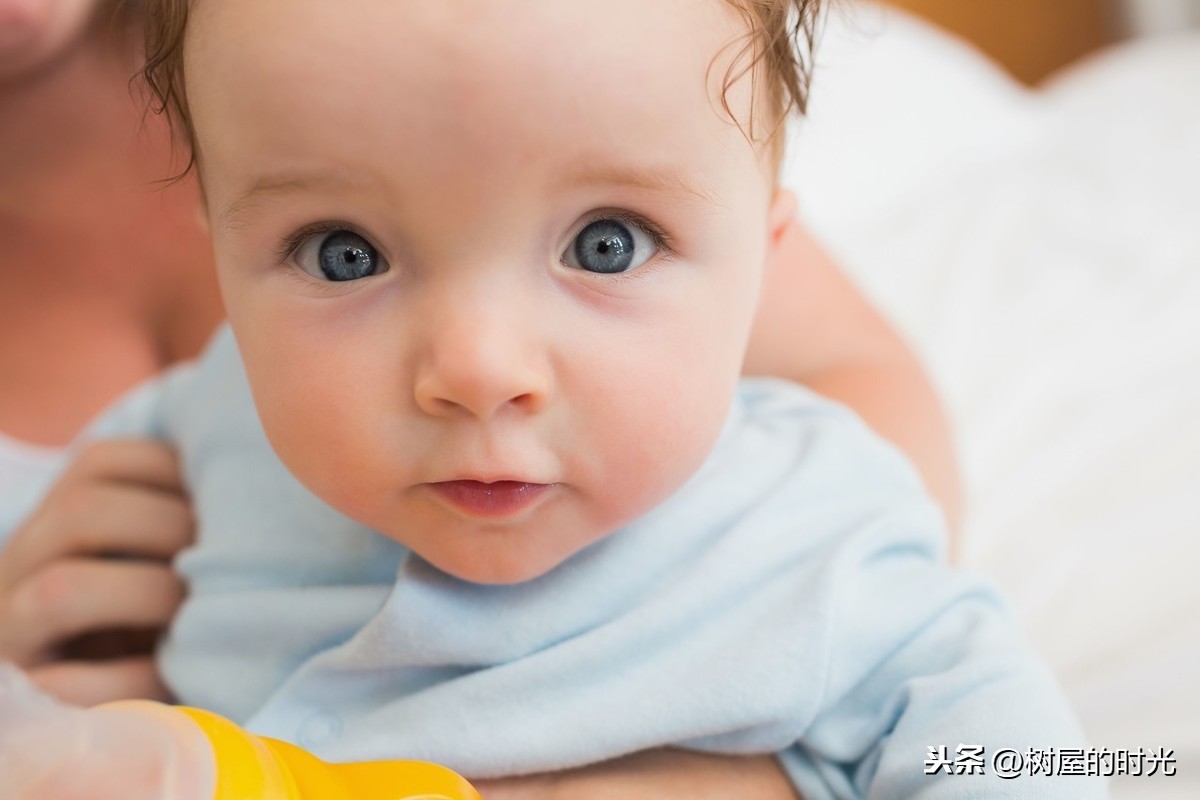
1033, 38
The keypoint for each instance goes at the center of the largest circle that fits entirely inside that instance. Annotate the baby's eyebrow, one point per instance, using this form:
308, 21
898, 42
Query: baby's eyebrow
282, 184
654, 179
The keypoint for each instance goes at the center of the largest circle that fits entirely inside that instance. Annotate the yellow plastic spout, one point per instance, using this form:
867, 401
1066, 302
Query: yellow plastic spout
250, 767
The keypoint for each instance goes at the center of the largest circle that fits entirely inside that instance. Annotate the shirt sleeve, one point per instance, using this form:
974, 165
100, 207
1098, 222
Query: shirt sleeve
931, 691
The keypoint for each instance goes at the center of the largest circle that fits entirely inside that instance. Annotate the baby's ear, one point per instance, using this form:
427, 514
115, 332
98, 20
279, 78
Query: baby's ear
780, 216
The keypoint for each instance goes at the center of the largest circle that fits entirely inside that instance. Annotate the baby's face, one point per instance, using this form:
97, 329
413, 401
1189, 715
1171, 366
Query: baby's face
491, 266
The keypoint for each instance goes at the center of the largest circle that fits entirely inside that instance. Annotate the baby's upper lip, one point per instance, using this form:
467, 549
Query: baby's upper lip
505, 478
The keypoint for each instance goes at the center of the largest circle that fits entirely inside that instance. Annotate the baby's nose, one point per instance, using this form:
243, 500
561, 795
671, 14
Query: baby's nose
479, 366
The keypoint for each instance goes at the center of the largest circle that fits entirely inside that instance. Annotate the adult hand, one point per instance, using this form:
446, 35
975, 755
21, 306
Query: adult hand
86, 584
124, 751
660, 774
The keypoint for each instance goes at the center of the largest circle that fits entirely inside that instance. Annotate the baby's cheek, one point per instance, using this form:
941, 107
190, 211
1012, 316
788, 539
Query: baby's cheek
314, 416
658, 432
335, 461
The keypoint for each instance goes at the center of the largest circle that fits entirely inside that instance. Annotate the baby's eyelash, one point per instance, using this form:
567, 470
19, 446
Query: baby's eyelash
291, 243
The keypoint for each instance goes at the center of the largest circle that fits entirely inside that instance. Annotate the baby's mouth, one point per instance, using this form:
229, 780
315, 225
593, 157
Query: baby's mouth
498, 500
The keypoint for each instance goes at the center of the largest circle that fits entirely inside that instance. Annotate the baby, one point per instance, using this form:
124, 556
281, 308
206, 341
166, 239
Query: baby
491, 268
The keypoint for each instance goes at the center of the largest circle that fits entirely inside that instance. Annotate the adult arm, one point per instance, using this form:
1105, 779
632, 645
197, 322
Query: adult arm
655, 773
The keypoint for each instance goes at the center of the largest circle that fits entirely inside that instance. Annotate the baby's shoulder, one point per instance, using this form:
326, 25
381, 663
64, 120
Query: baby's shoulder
811, 468
817, 434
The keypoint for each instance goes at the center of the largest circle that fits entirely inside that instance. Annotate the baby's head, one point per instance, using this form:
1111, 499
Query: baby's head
492, 266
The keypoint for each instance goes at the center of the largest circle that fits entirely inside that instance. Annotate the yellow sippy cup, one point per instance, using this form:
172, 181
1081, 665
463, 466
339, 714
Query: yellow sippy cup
250, 767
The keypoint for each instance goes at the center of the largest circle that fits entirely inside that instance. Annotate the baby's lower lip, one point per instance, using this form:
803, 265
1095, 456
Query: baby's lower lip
499, 500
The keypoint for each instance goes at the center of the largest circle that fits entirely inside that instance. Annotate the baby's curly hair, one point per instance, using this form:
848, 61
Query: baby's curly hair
777, 49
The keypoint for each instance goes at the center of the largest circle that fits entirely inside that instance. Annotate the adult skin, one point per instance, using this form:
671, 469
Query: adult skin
106, 278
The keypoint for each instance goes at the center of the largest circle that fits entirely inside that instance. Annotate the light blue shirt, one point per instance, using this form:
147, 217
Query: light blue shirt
791, 598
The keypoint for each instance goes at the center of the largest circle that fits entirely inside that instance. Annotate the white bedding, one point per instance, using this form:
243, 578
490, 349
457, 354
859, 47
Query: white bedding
1041, 250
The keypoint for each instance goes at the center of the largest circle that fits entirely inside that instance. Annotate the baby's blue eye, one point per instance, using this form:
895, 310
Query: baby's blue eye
610, 245
339, 256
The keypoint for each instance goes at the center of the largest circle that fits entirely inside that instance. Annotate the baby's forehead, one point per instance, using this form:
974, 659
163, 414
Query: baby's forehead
473, 50
519, 80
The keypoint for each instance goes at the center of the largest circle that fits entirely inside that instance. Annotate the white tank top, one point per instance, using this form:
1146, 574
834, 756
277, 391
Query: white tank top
26, 470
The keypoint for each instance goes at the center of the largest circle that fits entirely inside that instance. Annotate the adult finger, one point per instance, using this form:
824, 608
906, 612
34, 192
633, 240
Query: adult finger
74, 596
99, 518
147, 462
88, 683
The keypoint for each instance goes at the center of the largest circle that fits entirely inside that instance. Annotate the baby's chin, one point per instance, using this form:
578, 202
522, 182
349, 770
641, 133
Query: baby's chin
492, 565
499, 555
496, 575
